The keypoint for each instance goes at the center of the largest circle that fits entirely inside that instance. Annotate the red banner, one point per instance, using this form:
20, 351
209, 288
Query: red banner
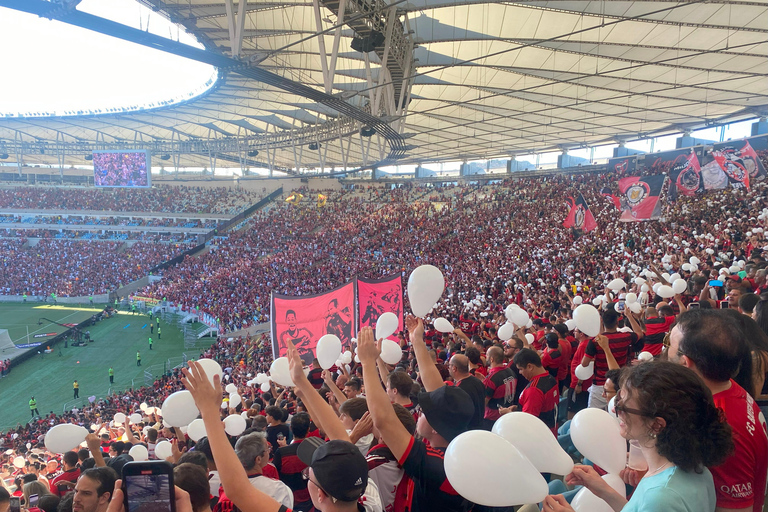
376, 297
304, 320
579, 216
640, 198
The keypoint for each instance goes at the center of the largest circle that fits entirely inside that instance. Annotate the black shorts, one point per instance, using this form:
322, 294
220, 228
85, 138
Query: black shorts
577, 401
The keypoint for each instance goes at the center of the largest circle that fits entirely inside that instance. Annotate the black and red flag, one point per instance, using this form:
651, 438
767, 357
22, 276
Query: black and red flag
579, 216
607, 192
639, 196
685, 175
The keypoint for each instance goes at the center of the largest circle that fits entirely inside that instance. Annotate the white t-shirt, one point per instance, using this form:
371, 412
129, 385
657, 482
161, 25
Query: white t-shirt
275, 488
215, 482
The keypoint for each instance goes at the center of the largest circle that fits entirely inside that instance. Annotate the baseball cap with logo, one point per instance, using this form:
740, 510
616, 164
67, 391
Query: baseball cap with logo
339, 468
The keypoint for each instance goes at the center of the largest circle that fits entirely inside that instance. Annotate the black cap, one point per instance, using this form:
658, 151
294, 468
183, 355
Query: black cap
339, 467
448, 410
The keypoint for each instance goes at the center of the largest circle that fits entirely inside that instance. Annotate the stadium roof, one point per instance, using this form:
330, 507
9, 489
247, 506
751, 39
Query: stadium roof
446, 80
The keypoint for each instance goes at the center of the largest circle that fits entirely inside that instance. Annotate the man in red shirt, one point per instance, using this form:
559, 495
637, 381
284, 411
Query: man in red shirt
540, 397
620, 344
712, 344
64, 482
578, 396
553, 359
499, 385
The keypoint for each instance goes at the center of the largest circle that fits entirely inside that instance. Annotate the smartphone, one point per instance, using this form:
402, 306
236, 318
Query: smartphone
715, 282
33, 498
148, 486
693, 305
15, 504
724, 304
620, 306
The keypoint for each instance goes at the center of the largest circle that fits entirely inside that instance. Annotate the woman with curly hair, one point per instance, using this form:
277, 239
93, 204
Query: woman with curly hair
669, 411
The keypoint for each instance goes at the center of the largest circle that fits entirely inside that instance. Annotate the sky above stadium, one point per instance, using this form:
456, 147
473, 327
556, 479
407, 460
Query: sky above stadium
54, 67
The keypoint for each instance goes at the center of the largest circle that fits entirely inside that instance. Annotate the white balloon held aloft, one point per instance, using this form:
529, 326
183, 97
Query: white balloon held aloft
210, 368
231, 389
665, 291
328, 351
635, 307
519, 317
694, 260
135, 418
486, 469
19, 462
506, 331
578, 300
346, 357
597, 436
139, 452
391, 353
387, 325
234, 424
679, 285
617, 284
196, 430
630, 298
143, 406
280, 373
531, 339
235, 400
674, 277
64, 437
586, 501
534, 440
119, 417
570, 324
644, 288
587, 319
585, 372
443, 325
179, 409
163, 450
425, 286
645, 356
265, 387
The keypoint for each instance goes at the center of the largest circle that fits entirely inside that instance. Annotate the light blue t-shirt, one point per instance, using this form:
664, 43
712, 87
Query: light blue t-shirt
674, 490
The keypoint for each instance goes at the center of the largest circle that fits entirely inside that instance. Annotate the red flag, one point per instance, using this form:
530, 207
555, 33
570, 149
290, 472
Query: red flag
579, 216
640, 197
606, 191
731, 162
379, 296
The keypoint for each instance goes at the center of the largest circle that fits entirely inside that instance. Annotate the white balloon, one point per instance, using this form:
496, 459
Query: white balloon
656, 287
674, 277
64, 437
235, 400
488, 470
531, 339
135, 418
19, 462
143, 406
630, 298
585, 372
734, 269
231, 389
425, 286
709, 251
265, 387
328, 351
179, 409
391, 353
280, 373
261, 378
587, 319
163, 450
119, 417
529, 324
645, 356
346, 358
519, 317
234, 424
694, 260
686, 267
506, 331
578, 300
635, 307
644, 288
597, 436
225, 404
597, 301
612, 407
617, 284
665, 291
139, 452
639, 281
443, 325
570, 324
679, 285
387, 325
211, 368
534, 440
586, 501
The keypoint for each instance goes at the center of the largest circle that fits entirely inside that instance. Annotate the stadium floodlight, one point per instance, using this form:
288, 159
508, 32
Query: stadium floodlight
314, 146
89, 156
3, 156
165, 157
367, 131
253, 152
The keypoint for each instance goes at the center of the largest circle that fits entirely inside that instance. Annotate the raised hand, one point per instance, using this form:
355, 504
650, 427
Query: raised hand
207, 397
367, 351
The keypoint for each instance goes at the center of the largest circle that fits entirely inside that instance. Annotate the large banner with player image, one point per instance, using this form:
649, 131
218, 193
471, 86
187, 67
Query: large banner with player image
305, 319
379, 296
735, 164
683, 168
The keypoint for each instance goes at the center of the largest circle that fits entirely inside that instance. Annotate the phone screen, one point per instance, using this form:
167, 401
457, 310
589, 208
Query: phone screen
33, 498
15, 504
620, 306
724, 305
715, 282
148, 493
693, 305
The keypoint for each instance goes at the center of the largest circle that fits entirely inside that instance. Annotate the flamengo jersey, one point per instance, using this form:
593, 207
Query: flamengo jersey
740, 481
620, 343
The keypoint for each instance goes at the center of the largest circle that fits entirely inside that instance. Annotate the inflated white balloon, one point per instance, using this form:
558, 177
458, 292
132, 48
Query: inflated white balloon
612, 407
734, 269
346, 358
443, 325
630, 298
235, 400
586, 501
139, 452
679, 285
674, 277
280, 373
387, 325
506, 331
425, 286
635, 307
211, 368
231, 389
645, 288
135, 418
19, 462
163, 450
119, 417
597, 301
617, 284
534, 440
261, 378
64, 437
694, 260
328, 351
486, 469
265, 387
709, 251
639, 281
143, 406
234, 424
587, 319
391, 353
179, 409
519, 317
645, 356
578, 300
665, 291
570, 324
597, 436
531, 339
585, 372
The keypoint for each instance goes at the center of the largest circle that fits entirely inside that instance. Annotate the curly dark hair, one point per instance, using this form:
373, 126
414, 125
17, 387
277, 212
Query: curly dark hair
695, 435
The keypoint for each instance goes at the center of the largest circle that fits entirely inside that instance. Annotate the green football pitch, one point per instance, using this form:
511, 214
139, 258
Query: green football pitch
49, 377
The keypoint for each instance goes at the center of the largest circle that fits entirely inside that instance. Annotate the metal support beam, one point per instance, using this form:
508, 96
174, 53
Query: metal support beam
321, 43
236, 24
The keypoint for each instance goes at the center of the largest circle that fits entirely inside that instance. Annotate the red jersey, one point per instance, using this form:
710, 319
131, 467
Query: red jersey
540, 398
740, 480
578, 355
67, 476
619, 343
555, 363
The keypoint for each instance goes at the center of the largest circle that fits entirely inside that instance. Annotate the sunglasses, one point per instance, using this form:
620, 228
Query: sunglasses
619, 407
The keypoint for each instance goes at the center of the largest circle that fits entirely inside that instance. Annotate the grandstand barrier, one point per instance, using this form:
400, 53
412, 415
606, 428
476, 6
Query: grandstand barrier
99, 299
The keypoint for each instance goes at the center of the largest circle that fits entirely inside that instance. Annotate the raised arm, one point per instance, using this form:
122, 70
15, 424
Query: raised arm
337, 393
605, 344
233, 477
393, 433
430, 375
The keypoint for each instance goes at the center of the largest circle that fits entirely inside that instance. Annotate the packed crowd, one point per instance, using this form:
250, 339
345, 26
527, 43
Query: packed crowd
70, 268
162, 198
107, 221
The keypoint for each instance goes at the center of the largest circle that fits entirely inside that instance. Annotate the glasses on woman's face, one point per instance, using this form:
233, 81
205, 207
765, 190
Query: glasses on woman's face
620, 408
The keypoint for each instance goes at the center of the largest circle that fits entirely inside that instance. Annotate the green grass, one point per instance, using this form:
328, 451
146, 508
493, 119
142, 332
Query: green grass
49, 378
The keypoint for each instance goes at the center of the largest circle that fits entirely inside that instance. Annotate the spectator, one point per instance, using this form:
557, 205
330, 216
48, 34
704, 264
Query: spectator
253, 452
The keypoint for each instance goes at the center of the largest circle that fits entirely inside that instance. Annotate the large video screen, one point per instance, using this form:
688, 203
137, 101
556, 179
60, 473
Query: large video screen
122, 168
